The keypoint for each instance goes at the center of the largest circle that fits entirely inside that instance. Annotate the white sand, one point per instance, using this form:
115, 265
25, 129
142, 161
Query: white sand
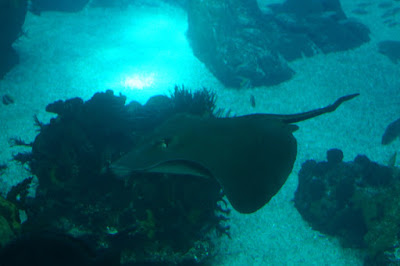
142, 51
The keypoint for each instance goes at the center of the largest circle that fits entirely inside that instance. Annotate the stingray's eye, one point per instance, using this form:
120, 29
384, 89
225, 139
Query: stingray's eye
167, 141
163, 143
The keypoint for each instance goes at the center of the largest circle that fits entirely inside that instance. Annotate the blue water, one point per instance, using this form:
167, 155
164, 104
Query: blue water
142, 50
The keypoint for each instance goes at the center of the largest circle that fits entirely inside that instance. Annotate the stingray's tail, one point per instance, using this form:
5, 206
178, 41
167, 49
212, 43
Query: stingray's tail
310, 114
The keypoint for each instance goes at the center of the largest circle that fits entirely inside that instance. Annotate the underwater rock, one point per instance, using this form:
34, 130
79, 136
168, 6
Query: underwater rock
355, 201
62, 108
391, 49
12, 17
38, 6
110, 3
323, 24
234, 42
244, 48
334, 156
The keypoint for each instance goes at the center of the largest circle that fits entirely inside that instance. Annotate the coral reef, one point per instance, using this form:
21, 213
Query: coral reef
145, 219
356, 201
9, 221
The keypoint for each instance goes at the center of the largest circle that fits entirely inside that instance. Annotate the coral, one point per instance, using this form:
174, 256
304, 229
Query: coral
6, 234
357, 201
23, 157
16, 141
200, 103
11, 214
152, 218
381, 213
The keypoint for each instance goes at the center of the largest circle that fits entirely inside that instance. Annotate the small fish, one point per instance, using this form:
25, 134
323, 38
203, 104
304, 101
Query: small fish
7, 99
252, 101
391, 133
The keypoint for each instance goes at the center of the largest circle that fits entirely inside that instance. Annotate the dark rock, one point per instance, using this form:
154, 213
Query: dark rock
362, 160
39, 6
244, 48
354, 201
110, 3
344, 191
372, 174
305, 8
50, 249
159, 102
12, 17
322, 23
334, 156
63, 108
230, 40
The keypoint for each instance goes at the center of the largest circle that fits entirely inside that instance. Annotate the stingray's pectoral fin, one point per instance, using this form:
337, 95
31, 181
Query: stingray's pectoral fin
120, 171
173, 167
180, 167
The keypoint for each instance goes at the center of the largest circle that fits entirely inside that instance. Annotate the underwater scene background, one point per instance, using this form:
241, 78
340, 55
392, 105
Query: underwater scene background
85, 83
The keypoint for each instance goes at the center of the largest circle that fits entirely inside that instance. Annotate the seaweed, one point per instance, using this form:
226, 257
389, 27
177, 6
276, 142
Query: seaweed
201, 102
17, 141
23, 157
38, 123
18, 193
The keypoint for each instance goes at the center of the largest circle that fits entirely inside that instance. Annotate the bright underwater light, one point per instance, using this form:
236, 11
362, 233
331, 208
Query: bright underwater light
138, 81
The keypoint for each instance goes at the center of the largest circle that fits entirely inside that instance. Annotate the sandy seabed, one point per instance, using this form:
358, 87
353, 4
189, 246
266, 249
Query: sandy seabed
142, 51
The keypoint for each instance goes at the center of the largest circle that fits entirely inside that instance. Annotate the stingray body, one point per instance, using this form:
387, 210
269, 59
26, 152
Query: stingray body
251, 156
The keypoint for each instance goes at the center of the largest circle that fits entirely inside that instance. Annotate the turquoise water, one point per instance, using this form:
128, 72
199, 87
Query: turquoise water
142, 51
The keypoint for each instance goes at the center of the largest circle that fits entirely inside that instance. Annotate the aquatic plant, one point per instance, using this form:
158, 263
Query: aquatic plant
10, 212
16, 141
201, 102
23, 157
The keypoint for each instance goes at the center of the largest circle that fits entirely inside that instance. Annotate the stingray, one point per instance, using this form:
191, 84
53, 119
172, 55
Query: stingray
251, 156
